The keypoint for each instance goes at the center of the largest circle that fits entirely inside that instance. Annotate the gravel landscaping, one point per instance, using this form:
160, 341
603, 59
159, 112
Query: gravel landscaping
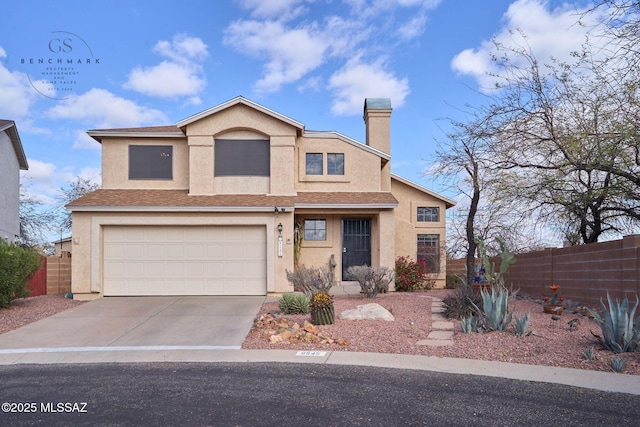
552, 343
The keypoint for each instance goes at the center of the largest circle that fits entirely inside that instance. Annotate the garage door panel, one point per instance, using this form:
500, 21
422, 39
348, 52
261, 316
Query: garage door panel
184, 260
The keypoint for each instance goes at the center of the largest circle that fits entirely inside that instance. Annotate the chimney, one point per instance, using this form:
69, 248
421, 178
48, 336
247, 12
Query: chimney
377, 119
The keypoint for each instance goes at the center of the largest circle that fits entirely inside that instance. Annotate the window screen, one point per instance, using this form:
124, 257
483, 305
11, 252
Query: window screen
150, 162
242, 157
335, 164
429, 251
315, 229
431, 214
314, 164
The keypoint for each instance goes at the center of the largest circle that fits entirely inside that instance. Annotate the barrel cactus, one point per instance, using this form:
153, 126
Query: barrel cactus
322, 310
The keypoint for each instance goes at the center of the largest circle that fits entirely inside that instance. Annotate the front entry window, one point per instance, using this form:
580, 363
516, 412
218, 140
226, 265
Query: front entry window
315, 229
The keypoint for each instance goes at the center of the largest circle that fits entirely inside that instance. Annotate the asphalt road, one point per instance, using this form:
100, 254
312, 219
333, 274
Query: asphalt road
267, 394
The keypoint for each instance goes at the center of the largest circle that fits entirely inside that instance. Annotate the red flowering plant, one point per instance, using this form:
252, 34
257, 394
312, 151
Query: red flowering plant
411, 275
555, 304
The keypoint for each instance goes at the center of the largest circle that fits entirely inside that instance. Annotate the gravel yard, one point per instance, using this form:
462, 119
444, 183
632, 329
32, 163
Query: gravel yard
551, 344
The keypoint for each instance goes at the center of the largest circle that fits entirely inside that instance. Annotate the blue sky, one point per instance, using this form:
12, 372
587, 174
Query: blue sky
157, 62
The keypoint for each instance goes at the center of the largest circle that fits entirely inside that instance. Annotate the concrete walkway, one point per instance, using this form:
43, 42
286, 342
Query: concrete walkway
212, 329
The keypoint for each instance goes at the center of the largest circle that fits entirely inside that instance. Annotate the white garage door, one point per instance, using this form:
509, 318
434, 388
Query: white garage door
184, 260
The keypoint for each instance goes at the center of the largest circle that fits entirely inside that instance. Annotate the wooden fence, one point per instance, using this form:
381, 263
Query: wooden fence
585, 273
53, 277
38, 282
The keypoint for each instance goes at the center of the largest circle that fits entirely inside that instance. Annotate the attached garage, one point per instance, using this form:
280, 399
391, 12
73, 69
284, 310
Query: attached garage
184, 260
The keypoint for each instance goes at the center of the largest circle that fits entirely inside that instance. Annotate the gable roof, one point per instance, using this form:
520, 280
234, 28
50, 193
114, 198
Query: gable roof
9, 126
237, 101
448, 202
332, 134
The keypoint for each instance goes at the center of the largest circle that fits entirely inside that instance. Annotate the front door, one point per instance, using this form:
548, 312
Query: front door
356, 244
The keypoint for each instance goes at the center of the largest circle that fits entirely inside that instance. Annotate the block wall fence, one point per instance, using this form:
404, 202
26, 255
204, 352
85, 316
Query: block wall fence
585, 273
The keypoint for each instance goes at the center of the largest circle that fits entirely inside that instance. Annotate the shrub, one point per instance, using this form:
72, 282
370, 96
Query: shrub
494, 315
411, 275
372, 280
291, 303
16, 266
618, 331
310, 280
459, 304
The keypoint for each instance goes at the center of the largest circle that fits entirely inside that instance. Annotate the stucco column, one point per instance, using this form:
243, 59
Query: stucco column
201, 165
284, 262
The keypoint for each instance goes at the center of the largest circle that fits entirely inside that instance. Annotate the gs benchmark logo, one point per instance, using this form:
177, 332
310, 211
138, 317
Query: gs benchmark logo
58, 72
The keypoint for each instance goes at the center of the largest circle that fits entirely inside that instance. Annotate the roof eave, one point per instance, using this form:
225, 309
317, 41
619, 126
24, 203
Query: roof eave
98, 134
448, 202
12, 131
338, 135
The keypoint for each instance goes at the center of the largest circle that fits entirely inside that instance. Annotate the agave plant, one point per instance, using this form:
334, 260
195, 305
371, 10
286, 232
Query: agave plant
522, 324
619, 334
494, 315
469, 324
618, 364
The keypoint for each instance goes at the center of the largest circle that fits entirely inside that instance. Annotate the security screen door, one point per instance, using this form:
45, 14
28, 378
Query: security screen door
356, 244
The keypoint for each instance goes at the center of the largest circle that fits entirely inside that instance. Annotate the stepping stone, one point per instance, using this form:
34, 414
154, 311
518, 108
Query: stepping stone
435, 343
442, 325
440, 335
438, 317
437, 309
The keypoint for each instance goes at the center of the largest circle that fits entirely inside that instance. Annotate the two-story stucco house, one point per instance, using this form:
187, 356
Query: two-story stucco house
210, 206
12, 160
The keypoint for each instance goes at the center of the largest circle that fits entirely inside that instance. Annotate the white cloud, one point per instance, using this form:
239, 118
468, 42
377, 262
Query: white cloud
357, 81
102, 109
549, 34
16, 94
281, 9
165, 80
291, 53
180, 75
292, 45
82, 141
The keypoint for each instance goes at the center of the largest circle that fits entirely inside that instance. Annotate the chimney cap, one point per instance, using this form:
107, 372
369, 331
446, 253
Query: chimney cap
377, 104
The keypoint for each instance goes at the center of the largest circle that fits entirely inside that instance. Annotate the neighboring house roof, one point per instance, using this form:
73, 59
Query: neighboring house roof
448, 202
180, 200
9, 126
244, 101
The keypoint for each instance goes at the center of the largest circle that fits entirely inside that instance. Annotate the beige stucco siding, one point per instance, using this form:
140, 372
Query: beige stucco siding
240, 117
361, 168
407, 226
115, 164
317, 253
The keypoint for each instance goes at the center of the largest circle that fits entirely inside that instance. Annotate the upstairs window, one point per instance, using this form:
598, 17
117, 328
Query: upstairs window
314, 164
150, 162
335, 164
430, 214
242, 157
315, 229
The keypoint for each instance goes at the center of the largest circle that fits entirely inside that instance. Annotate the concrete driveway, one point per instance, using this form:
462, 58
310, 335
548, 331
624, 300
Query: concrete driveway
200, 321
